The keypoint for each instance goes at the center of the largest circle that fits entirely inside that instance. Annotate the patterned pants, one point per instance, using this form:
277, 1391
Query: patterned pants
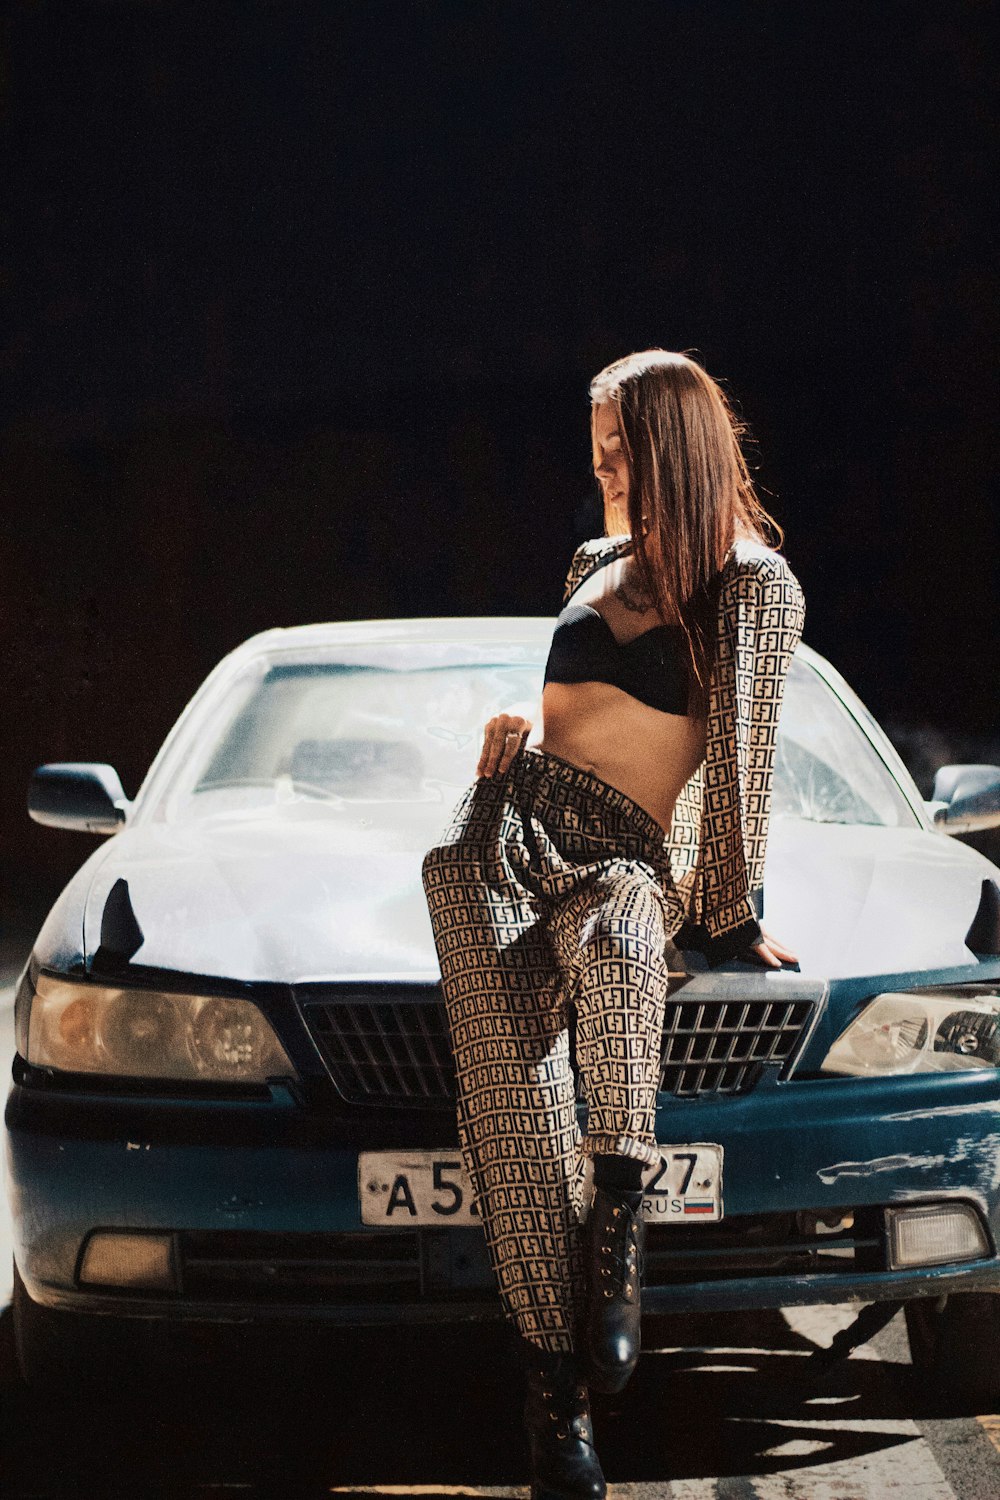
549, 886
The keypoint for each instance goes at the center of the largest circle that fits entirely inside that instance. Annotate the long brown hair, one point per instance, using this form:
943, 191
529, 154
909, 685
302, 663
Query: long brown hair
689, 487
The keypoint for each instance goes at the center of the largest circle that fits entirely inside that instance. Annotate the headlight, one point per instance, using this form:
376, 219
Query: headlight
933, 1030
139, 1033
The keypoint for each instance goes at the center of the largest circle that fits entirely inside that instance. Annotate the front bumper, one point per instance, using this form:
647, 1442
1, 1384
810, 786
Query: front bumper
257, 1183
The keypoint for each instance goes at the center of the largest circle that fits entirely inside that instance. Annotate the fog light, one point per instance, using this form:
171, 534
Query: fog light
931, 1235
135, 1260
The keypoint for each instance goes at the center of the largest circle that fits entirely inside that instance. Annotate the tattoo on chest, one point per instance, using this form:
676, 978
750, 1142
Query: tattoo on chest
633, 600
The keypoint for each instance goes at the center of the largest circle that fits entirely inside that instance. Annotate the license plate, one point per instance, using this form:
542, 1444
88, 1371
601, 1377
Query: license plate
403, 1188
687, 1185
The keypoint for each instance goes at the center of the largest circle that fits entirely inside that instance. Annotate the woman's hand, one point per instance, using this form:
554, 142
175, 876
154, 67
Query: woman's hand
773, 953
503, 737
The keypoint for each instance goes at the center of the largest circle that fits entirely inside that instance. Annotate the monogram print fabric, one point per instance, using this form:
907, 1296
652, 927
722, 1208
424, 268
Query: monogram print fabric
551, 888
548, 888
718, 836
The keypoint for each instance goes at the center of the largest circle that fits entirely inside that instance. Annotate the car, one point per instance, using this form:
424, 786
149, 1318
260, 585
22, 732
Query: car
232, 1098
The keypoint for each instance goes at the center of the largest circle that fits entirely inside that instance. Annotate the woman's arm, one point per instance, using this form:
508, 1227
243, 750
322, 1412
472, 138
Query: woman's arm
763, 613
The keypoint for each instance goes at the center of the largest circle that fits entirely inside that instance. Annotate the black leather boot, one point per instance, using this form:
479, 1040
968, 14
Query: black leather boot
564, 1462
614, 1241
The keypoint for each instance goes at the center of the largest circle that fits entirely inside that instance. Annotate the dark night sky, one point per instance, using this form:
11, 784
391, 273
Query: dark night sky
302, 301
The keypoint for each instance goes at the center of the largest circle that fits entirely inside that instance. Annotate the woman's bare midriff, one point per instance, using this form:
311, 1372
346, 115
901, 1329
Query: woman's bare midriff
646, 754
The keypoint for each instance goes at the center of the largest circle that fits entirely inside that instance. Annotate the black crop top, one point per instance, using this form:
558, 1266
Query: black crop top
651, 667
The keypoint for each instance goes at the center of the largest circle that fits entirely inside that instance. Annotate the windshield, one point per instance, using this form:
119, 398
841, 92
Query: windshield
826, 768
389, 737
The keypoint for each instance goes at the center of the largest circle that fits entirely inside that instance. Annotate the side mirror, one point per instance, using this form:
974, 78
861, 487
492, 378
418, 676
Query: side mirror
87, 796
966, 798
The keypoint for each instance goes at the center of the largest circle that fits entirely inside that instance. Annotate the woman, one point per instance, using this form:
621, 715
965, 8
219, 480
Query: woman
574, 864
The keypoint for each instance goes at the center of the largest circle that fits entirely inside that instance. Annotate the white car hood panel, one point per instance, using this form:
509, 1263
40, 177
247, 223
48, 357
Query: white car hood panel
314, 899
863, 900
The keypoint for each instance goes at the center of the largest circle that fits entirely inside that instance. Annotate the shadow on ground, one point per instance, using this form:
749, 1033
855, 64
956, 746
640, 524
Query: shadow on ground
294, 1414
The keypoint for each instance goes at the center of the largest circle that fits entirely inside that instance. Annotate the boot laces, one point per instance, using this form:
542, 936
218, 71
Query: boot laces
620, 1252
570, 1403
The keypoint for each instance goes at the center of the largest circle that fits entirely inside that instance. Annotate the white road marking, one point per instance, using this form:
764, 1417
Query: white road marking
895, 1457
908, 1470
821, 1322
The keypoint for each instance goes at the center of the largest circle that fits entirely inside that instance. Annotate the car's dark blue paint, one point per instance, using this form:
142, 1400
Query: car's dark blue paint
79, 1161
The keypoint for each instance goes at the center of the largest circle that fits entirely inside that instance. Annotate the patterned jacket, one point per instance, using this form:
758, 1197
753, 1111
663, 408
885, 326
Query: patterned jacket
718, 836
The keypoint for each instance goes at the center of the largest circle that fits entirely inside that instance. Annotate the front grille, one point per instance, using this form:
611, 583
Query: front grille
229, 1265
390, 1045
358, 1267
776, 1244
720, 1046
334, 1269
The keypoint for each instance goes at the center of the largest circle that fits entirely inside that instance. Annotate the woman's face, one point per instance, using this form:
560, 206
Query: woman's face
610, 466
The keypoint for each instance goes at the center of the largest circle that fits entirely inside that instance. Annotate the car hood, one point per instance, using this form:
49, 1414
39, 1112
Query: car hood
320, 899
272, 899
